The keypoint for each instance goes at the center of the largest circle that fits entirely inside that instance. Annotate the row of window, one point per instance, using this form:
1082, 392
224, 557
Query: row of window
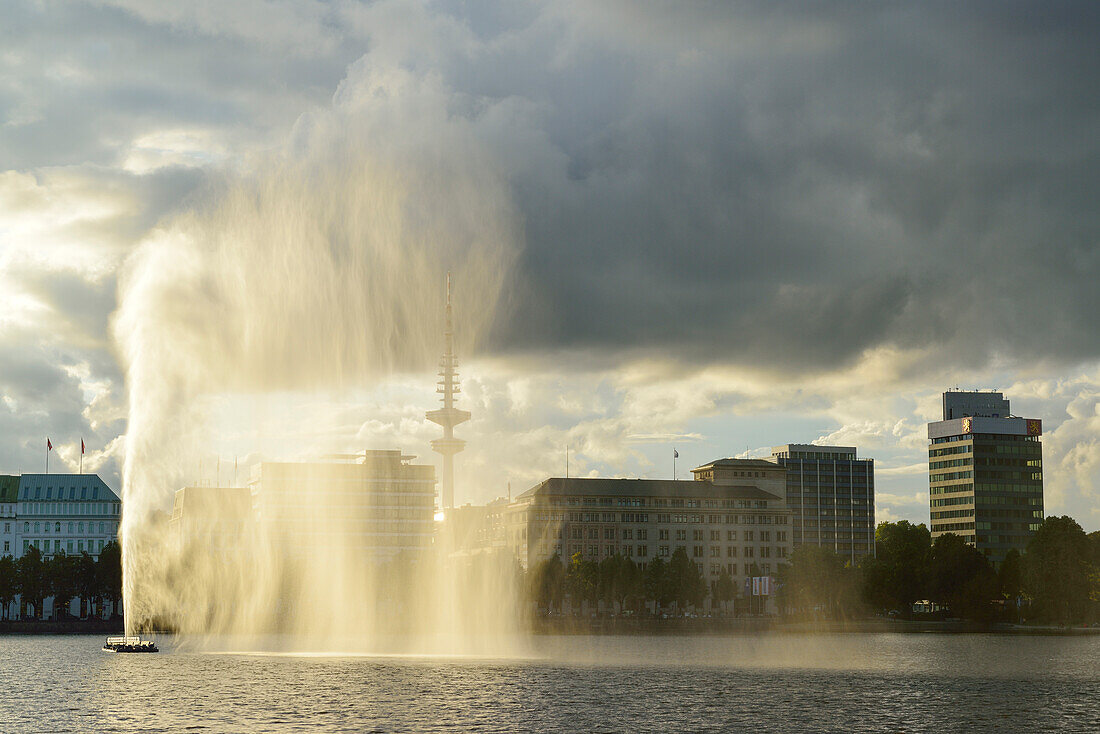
987, 487
69, 546
765, 536
657, 502
998, 461
1020, 526
663, 518
967, 449
65, 508
983, 500
664, 551
951, 462
45, 527
983, 437
830, 538
948, 476
84, 494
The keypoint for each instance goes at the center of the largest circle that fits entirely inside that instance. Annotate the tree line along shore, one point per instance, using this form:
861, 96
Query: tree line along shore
96, 583
1055, 582
910, 579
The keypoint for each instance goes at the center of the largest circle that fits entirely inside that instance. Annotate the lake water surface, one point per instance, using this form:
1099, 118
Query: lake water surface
760, 683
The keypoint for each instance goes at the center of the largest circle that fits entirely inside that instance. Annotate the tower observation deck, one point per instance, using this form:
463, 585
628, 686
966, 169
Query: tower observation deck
448, 416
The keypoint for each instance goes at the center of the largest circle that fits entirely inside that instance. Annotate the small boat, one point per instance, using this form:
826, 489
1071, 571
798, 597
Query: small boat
129, 644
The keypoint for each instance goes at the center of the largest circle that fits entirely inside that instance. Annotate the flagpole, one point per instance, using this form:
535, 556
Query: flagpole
674, 455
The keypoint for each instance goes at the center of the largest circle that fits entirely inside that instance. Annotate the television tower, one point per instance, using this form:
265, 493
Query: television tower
448, 416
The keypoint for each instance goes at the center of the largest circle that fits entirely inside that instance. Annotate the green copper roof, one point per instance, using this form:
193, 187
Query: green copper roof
9, 488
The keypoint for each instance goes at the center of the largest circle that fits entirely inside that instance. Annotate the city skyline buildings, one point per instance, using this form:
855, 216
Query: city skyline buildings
698, 259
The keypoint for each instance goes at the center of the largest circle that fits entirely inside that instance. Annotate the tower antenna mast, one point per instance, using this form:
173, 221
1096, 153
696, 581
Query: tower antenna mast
448, 416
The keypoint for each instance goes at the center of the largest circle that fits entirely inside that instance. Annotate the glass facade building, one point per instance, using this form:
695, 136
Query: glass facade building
985, 473
831, 495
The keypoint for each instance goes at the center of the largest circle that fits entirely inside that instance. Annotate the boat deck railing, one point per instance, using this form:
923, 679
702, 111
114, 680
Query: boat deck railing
123, 640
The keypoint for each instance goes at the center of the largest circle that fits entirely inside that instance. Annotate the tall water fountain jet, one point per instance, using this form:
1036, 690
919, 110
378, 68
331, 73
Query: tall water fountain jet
302, 280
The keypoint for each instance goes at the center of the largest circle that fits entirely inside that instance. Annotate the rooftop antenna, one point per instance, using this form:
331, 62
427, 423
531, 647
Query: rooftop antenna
448, 416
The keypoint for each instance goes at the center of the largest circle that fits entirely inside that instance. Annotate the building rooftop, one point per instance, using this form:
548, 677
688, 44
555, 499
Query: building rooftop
9, 488
739, 463
813, 448
73, 487
646, 488
975, 403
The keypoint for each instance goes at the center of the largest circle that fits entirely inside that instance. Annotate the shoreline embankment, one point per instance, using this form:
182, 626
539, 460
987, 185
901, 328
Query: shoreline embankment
93, 626
576, 625
570, 625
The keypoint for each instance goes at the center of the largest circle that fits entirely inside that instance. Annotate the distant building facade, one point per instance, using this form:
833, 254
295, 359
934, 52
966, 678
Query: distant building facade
985, 473
57, 513
215, 519
70, 513
831, 495
371, 505
730, 518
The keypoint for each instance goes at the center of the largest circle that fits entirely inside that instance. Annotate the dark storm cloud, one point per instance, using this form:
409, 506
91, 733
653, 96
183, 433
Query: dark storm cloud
80, 80
724, 182
780, 188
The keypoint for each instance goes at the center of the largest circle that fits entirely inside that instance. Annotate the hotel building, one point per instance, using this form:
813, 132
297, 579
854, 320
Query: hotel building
57, 513
732, 516
985, 473
74, 513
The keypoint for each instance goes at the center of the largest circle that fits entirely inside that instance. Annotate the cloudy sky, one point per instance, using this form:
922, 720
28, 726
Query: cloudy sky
718, 227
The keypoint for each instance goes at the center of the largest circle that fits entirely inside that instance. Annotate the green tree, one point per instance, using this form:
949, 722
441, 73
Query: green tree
581, 579
723, 589
685, 580
896, 576
9, 583
86, 583
620, 580
32, 581
818, 580
1058, 572
655, 583
108, 571
546, 583
961, 577
1010, 579
61, 571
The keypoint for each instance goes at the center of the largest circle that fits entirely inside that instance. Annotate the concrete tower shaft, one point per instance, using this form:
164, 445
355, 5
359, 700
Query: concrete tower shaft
448, 416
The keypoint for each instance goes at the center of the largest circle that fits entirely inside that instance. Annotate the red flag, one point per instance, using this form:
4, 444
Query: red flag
81, 447
49, 446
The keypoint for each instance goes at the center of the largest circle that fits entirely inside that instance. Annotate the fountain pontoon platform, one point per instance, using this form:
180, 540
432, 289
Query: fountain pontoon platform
129, 644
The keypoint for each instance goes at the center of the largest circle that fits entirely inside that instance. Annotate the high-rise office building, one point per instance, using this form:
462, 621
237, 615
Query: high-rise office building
985, 473
371, 505
831, 495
